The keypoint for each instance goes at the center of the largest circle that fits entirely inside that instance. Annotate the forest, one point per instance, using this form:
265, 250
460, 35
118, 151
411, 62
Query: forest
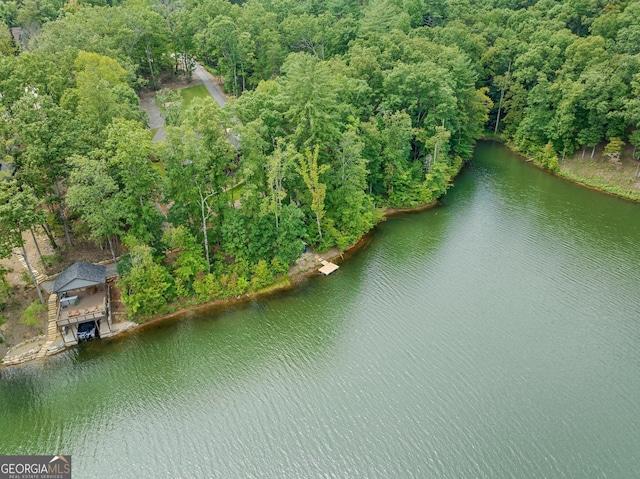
339, 109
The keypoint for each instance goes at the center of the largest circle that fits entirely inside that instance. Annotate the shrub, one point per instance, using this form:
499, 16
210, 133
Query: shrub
49, 260
206, 287
147, 286
26, 277
262, 275
4, 284
29, 316
278, 267
547, 158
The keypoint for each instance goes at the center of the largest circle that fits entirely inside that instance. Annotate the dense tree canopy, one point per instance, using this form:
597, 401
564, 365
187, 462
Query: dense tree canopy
339, 108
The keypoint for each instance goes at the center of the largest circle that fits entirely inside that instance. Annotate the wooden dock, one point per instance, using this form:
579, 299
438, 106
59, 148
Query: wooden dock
328, 268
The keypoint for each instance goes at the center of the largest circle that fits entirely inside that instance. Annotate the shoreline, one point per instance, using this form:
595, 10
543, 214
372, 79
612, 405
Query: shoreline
292, 281
575, 181
564, 175
287, 283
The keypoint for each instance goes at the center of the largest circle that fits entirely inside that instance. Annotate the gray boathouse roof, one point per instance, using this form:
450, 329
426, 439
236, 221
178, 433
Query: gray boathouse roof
80, 275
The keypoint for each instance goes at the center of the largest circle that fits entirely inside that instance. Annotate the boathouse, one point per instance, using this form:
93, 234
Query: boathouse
83, 298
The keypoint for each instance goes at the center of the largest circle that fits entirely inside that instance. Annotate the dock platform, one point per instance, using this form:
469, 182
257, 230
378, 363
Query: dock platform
328, 268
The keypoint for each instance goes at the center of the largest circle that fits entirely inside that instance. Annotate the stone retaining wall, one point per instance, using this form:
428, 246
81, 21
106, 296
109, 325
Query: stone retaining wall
32, 353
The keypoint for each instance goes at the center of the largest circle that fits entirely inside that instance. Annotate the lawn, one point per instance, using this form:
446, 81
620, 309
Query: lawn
160, 168
236, 192
198, 91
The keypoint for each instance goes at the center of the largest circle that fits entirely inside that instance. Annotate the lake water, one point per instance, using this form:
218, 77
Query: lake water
495, 336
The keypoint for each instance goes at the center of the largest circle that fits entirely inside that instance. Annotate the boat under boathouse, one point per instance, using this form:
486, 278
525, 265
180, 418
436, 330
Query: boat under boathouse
83, 298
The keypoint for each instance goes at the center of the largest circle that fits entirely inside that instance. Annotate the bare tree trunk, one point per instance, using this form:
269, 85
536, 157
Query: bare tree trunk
495, 130
583, 148
278, 200
147, 50
33, 278
52, 240
35, 241
318, 221
203, 205
593, 151
206, 239
235, 79
65, 226
113, 254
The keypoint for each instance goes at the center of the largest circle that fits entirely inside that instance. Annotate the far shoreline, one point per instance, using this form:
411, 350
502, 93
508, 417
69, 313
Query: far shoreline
564, 175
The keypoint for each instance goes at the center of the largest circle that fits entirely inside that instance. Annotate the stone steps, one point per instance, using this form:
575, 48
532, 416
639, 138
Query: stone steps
52, 329
39, 276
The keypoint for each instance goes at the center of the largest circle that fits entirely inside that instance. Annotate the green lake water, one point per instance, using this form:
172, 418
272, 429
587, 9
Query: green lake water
496, 336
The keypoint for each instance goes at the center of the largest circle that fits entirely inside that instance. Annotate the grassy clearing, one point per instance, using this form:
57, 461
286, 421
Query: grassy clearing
188, 94
236, 192
599, 173
160, 168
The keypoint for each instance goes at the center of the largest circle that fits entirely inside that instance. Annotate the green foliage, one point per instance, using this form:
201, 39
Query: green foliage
190, 261
18, 212
232, 47
97, 197
613, 149
29, 316
25, 277
278, 267
170, 103
50, 260
101, 94
262, 275
147, 287
5, 287
341, 108
310, 172
547, 158
206, 287
291, 236
128, 149
309, 101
